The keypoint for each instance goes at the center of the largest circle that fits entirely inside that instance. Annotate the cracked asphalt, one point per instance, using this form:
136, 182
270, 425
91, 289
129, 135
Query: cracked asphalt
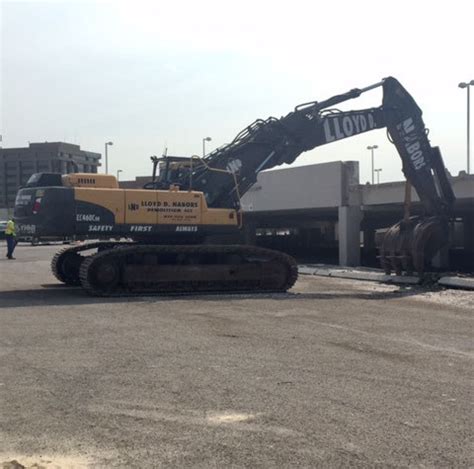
336, 373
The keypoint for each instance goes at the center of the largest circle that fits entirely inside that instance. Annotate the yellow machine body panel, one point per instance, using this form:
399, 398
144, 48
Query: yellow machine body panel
112, 200
104, 181
114, 210
178, 208
140, 207
219, 216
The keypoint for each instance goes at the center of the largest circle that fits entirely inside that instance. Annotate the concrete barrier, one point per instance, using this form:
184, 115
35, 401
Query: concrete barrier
372, 275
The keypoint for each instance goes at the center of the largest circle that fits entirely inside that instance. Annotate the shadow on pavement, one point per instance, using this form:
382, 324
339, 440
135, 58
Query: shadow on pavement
60, 295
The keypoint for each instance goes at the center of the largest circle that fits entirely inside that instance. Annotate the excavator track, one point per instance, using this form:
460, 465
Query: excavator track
139, 269
66, 262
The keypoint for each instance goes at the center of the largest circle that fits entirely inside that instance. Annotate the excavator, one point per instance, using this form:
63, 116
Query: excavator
162, 238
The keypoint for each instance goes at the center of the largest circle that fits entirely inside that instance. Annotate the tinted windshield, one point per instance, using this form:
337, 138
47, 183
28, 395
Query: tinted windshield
44, 179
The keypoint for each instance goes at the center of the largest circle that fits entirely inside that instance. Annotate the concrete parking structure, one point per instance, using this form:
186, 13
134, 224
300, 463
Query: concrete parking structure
328, 208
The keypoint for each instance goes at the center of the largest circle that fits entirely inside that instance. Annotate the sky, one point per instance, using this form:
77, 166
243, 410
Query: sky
153, 74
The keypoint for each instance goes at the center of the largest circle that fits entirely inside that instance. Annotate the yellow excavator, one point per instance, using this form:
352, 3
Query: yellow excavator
170, 226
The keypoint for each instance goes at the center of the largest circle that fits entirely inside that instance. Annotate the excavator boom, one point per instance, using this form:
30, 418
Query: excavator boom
265, 144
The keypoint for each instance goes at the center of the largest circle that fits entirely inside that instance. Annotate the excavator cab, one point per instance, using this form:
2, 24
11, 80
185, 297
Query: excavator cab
171, 170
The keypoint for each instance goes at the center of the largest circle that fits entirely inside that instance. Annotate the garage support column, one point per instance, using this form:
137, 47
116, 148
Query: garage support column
468, 228
349, 235
369, 239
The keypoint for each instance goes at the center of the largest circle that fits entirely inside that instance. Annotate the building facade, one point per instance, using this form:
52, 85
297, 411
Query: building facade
18, 164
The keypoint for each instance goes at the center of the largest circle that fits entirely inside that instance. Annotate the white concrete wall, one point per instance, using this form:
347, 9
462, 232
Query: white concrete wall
388, 193
394, 192
314, 186
463, 186
330, 185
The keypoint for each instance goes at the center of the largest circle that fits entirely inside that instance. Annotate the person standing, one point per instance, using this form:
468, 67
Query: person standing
10, 234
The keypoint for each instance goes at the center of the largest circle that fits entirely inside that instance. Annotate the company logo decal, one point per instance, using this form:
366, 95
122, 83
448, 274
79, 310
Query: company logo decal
234, 165
141, 228
100, 228
412, 145
338, 127
89, 217
27, 229
165, 206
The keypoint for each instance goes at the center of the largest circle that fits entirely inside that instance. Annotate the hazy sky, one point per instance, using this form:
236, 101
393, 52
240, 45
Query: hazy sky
150, 74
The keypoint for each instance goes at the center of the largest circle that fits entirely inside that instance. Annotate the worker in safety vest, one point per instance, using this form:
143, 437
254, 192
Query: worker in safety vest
10, 234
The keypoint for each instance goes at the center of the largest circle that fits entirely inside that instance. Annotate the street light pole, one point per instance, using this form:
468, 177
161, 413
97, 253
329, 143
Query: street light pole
107, 157
468, 128
204, 140
468, 86
118, 173
378, 174
372, 148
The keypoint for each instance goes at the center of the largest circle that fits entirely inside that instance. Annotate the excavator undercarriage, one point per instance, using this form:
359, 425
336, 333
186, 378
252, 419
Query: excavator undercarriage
124, 268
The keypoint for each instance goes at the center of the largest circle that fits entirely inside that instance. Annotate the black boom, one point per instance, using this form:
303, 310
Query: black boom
272, 142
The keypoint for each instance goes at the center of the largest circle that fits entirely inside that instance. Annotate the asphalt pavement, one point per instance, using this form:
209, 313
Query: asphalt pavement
335, 373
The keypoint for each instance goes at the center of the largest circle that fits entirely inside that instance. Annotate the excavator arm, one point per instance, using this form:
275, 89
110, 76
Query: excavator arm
268, 143
265, 144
